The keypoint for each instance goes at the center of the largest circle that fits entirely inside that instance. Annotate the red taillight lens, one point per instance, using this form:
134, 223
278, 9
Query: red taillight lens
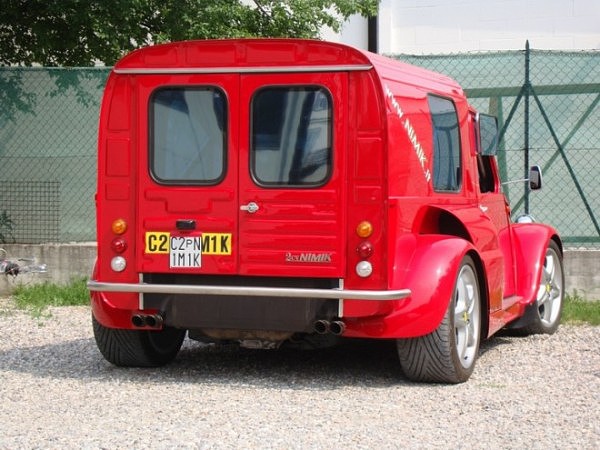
364, 249
118, 245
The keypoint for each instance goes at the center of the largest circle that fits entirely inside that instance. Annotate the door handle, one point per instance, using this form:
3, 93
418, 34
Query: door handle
250, 207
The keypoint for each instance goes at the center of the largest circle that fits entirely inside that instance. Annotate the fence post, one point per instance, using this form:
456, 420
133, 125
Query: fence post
526, 127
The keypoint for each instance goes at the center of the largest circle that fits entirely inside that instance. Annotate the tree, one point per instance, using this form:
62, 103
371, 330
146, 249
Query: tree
86, 32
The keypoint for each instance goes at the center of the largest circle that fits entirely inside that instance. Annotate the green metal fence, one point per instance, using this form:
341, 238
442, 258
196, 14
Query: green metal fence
48, 129
547, 105
546, 101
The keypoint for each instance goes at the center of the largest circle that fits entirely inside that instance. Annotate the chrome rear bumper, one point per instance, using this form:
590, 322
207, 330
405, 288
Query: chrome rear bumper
252, 291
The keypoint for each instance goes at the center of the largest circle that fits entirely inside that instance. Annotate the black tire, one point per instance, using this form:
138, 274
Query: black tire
543, 316
138, 348
448, 354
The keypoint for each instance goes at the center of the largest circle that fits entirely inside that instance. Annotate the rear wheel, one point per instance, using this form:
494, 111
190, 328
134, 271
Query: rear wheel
138, 348
448, 354
544, 314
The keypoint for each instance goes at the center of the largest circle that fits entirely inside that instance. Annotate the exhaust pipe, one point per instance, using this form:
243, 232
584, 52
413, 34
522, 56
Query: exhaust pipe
138, 320
154, 321
147, 320
337, 327
322, 326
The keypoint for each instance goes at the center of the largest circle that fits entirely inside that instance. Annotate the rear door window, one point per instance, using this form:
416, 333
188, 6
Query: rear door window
188, 135
291, 143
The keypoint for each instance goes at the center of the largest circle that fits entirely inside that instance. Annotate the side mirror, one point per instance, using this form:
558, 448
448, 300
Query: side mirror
535, 178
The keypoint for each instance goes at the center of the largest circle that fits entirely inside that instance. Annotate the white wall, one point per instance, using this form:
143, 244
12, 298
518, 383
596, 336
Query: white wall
450, 26
354, 32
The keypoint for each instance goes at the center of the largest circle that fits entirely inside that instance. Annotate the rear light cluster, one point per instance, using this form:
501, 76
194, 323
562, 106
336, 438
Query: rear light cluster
118, 245
364, 249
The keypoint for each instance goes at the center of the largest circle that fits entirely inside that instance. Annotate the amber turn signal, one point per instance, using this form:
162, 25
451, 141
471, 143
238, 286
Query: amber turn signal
119, 226
364, 229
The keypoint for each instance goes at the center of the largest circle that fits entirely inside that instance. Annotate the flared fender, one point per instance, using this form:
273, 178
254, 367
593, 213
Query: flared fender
428, 266
530, 243
116, 311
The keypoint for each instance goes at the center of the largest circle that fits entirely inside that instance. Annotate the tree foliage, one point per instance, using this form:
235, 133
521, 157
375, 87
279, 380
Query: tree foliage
85, 32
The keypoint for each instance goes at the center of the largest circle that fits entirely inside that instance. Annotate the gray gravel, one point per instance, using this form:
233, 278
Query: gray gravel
56, 391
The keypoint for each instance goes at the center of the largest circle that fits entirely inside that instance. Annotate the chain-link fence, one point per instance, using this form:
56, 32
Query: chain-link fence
547, 106
546, 102
48, 129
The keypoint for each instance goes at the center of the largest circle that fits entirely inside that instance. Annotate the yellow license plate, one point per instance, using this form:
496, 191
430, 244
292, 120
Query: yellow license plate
157, 242
160, 242
216, 243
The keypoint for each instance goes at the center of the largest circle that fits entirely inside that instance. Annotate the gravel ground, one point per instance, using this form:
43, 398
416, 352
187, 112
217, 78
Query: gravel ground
56, 391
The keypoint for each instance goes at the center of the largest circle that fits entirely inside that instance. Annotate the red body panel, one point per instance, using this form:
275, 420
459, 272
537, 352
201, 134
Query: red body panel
381, 170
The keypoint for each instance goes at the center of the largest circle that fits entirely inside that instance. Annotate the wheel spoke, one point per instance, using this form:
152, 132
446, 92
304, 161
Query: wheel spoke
471, 341
549, 297
470, 299
466, 317
462, 349
459, 316
555, 291
550, 268
542, 297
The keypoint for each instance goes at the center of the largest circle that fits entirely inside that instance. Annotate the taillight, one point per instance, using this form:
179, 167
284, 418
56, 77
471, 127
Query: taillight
364, 229
364, 269
364, 249
119, 226
118, 245
118, 264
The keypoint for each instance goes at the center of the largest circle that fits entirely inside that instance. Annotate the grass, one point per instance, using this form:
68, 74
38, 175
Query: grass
579, 310
37, 297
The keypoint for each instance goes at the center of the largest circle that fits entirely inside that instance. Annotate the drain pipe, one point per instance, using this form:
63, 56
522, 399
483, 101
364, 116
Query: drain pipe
373, 33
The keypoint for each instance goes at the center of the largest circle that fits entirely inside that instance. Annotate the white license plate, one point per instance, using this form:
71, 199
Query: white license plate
185, 252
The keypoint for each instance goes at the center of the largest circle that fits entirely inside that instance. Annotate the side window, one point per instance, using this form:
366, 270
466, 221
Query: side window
446, 145
486, 127
486, 174
187, 135
291, 136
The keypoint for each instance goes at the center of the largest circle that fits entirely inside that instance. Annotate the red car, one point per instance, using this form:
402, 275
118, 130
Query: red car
271, 190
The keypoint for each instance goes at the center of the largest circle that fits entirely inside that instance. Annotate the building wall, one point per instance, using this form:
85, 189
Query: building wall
446, 26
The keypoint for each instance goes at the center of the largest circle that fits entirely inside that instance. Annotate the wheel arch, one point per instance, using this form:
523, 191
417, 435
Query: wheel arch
427, 265
484, 292
436, 220
530, 243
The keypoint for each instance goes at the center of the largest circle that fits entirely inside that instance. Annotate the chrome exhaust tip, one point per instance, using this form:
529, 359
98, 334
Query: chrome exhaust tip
147, 321
337, 327
321, 326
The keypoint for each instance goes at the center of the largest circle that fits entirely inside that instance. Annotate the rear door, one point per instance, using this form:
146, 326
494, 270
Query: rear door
291, 182
242, 174
188, 178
